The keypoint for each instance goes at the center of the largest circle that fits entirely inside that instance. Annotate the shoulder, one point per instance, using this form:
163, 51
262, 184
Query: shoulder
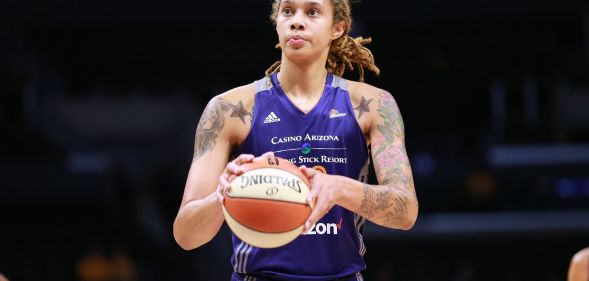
370, 97
238, 101
359, 90
242, 94
371, 104
230, 113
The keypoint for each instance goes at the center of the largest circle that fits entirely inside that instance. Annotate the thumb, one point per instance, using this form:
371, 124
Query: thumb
308, 171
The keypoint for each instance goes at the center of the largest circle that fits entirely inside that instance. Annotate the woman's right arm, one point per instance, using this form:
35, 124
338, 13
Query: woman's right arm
200, 216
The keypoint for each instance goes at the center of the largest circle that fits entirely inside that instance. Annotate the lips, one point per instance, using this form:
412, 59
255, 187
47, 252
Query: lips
296, 37
296, 40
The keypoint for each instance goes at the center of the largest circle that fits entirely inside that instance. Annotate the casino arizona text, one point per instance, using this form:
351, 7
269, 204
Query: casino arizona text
287, 139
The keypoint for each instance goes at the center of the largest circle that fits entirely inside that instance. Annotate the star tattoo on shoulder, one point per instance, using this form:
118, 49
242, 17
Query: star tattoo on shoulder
212, 122
239, 111
363, 107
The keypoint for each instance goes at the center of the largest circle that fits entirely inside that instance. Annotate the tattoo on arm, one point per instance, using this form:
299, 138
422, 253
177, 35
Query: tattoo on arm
384, 203
388, 202
212, 122
238, 111
363, 106
392, 127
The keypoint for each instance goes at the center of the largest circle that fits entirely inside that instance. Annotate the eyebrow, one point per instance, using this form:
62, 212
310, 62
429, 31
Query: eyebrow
312, 3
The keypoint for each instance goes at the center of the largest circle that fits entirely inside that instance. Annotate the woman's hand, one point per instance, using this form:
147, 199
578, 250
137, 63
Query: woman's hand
326, 190
233, 167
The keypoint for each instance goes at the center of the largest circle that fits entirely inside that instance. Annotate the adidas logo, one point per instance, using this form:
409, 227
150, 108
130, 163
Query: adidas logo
271, 118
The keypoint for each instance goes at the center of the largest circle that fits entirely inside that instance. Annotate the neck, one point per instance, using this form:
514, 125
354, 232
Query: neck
304, 79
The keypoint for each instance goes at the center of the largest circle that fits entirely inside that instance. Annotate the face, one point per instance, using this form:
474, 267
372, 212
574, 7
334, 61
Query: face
305, 28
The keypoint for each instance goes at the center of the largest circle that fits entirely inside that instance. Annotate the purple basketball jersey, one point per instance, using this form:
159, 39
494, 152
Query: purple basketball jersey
327, 138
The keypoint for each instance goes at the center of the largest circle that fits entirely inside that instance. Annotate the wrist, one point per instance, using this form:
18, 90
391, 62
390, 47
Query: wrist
350, 192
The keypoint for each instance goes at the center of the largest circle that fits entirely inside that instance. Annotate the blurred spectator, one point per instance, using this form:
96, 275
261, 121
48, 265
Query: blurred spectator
122, 267
3, 278
481, 189
96, 266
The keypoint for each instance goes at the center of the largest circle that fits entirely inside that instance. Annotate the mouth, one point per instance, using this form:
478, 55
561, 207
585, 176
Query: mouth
296, 40
296, 37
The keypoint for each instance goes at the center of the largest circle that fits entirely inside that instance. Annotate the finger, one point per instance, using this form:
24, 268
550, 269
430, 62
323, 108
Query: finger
309, 173
219, 192
223, 178
224, 183
243, 158
312, 195
303, 170
220, 197
318, 212
233, 168
223, 187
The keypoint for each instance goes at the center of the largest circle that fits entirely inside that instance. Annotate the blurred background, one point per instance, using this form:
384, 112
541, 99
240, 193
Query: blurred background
99, 101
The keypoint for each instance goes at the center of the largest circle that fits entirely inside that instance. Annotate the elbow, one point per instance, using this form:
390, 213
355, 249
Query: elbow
182, 238
190, 239
185, 245
411, 217
408, 223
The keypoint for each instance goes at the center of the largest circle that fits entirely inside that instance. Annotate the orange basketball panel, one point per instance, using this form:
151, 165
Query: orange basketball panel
267, 215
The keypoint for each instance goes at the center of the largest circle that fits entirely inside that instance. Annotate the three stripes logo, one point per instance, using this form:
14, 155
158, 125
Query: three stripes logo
271, 118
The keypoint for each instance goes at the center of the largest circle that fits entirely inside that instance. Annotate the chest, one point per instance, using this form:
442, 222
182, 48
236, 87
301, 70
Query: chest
328, 135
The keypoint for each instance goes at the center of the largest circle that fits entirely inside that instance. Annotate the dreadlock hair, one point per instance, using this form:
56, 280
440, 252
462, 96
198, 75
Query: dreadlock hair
345, 51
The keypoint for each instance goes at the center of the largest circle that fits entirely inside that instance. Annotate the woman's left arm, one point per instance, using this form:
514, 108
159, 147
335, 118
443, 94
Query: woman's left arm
393, 202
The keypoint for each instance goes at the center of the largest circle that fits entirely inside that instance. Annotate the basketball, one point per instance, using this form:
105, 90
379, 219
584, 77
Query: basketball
266, 205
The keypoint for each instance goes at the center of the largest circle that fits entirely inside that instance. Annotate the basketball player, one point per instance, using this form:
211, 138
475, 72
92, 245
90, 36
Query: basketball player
305, 112
579, 267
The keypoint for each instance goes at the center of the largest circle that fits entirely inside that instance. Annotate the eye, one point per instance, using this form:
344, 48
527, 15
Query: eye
286, 11
313, 12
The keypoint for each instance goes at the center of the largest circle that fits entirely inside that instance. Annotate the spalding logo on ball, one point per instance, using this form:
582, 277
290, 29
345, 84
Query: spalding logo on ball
266, 205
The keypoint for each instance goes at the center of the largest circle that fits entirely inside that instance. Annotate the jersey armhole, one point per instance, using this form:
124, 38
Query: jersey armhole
342, 84
261, 85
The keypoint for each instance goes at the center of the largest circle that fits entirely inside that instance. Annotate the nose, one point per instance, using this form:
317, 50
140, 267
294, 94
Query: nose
297, 21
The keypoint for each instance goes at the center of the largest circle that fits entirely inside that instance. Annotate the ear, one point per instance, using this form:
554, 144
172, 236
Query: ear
338, 30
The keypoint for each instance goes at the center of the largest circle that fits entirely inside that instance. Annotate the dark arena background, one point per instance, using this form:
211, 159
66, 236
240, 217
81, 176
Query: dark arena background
99, 101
